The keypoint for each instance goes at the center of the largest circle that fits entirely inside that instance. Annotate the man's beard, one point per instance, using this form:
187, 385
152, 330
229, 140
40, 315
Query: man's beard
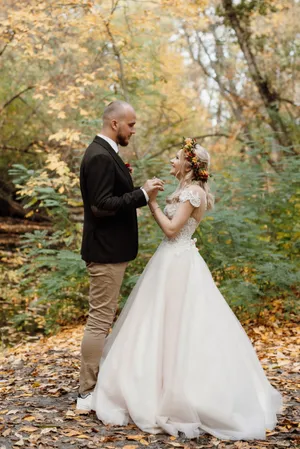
122, 140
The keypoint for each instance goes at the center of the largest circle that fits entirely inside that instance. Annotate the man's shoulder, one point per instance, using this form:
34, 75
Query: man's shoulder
95, 149
97, 146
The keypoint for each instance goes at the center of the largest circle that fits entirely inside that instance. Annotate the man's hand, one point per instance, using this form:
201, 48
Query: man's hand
152, 186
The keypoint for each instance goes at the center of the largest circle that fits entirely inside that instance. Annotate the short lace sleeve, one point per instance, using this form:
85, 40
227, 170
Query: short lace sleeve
192, 197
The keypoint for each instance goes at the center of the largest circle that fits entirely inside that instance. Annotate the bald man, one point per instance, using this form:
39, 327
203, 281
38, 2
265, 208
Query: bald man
110, 233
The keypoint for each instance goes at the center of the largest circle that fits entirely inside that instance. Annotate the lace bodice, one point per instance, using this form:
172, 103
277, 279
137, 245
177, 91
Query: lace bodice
184, 237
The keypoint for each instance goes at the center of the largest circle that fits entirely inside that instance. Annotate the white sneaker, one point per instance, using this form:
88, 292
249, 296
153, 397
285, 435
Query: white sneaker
84, 403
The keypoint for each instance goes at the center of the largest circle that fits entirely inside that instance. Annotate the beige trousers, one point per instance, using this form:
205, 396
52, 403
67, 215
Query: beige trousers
105, 284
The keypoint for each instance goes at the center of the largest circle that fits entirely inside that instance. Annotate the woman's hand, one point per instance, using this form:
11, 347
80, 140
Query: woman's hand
152, 186
153, 196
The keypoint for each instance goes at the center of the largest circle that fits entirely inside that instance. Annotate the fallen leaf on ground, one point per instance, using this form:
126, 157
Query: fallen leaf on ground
13, 412
29, 418
48, 430
28, 429
71, 432
134, 437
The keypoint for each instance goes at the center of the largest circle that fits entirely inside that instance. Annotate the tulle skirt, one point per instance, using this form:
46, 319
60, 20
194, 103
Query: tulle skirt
179, 360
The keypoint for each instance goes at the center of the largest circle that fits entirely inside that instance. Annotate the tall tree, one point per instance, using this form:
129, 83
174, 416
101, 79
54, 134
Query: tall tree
238, 16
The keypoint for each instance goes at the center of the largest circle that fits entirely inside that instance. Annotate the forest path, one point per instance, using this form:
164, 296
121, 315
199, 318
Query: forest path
39, 382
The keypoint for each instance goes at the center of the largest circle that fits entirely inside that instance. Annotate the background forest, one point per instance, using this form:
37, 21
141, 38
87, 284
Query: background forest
222, 71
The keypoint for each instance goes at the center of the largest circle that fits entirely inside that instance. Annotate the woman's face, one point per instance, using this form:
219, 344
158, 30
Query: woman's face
176, 165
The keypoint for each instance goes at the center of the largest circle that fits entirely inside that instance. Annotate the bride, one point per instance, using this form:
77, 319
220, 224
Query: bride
177, 359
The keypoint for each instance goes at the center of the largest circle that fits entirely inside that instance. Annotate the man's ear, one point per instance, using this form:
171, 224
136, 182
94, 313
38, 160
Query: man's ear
114, 125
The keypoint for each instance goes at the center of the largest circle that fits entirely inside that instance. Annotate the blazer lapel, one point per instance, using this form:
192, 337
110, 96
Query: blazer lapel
116, 157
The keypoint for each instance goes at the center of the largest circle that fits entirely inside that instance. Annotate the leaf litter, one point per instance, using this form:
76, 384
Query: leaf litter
38, 394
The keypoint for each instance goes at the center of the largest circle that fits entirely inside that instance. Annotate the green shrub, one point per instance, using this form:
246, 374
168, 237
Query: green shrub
250, 241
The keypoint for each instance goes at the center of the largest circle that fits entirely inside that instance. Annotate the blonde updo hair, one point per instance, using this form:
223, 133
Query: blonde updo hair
188, 178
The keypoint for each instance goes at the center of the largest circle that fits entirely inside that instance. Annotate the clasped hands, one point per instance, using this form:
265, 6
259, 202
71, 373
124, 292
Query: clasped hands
152, 187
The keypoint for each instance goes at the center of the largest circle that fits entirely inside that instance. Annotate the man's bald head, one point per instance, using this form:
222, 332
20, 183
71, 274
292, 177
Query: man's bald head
116, 110
118, 122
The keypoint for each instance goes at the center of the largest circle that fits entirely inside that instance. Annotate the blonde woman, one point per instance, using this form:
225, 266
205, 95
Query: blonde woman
178, 359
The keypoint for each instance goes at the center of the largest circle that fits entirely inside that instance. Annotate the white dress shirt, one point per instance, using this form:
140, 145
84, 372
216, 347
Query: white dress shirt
114, 145
111, 142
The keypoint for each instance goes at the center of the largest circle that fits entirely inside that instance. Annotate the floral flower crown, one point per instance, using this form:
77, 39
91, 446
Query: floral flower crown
199, 167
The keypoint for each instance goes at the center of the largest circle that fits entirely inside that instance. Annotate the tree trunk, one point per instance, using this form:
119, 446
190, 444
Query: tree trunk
268, 94
11, 208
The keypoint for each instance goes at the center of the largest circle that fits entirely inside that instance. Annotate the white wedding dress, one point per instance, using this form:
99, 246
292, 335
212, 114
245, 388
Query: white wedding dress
178, 359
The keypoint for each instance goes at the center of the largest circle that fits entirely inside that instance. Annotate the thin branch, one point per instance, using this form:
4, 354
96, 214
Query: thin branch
289, 101
21, 150
7, 43
18, 128
125, 7
3, 49
274, 165
119, 58
114, 6
165, 128
73, 5
226, 93
38, 114
203, 136
15, 97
